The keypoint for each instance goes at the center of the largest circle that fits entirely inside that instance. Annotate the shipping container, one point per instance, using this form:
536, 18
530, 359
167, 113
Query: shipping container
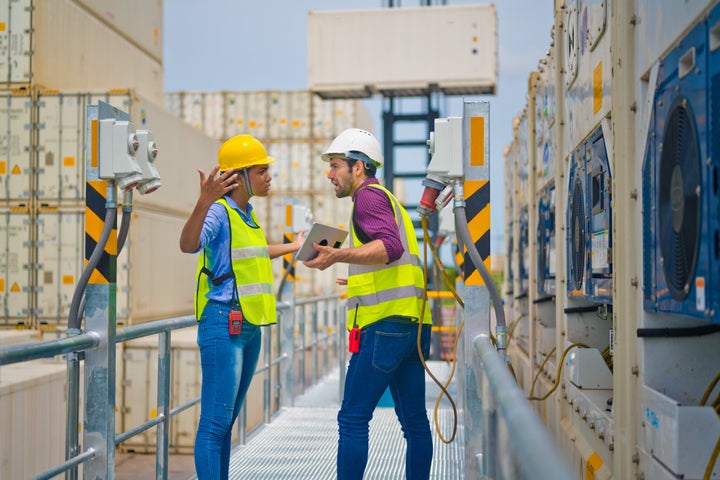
137, 397
15, 262
161, 277
452, 49
16, 165
137, 21
32, 415
72, 48
274, 115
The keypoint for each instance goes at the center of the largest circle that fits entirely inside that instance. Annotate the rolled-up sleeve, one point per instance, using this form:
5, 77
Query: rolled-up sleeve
374, 216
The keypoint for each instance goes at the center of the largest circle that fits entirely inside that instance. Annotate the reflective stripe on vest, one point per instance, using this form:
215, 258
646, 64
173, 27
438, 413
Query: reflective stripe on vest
252, 270
397, 288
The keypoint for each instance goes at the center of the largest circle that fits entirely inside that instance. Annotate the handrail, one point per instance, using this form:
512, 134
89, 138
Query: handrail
24, 352
74, 344
536, 453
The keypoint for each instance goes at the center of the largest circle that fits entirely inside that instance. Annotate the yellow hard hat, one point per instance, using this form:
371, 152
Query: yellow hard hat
242, 151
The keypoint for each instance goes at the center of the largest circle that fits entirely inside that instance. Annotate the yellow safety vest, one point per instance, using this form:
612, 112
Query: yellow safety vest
376, 292
252, 270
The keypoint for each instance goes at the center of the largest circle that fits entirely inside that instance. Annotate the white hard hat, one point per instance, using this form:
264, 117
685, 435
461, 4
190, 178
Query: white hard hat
355, 140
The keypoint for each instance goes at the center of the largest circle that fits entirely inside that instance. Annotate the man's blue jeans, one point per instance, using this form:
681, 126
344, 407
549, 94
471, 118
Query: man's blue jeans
228, 365
388, 356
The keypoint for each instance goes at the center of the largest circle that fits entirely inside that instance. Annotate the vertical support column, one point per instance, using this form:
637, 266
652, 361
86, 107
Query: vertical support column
162, 441
100, 306
627, 296
287, 325
476, 170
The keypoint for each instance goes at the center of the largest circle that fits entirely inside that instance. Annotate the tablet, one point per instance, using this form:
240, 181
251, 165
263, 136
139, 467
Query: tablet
323, 235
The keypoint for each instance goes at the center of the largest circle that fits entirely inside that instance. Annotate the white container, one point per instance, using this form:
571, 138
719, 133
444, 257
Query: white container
15, 41
137, 396
73, 49
182, 150
59, 251
32, 417
289, 114
161, 277
15, 156
138, 21
453, 47
15, 260
61, 143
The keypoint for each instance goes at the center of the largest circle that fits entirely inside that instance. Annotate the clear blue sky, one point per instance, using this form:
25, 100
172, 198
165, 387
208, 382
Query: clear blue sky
261, 45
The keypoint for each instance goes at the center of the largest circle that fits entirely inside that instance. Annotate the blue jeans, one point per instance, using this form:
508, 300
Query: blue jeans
388, 356
228, 365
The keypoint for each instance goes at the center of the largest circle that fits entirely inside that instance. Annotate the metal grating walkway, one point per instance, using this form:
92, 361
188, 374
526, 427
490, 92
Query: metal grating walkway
301, 442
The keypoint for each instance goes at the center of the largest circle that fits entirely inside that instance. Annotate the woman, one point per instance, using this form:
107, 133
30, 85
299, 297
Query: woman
234, 295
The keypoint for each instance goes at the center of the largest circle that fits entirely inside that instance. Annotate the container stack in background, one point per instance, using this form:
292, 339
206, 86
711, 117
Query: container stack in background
295, 127
57, 57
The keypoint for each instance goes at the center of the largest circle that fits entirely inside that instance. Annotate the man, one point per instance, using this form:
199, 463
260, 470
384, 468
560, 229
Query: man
385, 302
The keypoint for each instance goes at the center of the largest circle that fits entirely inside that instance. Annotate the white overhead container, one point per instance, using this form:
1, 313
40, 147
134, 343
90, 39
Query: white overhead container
403, 51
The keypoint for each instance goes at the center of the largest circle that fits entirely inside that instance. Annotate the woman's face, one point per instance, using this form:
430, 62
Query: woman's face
260, 180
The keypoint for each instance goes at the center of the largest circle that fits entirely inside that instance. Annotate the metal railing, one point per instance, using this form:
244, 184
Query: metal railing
505, 438
285, 348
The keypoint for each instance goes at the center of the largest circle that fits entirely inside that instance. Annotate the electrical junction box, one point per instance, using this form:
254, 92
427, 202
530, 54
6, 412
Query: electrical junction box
145, 156
445, 145
586, 369
302, 218
680, 437
118, 144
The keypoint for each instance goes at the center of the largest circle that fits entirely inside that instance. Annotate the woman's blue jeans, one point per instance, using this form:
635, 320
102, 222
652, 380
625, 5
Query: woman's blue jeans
388, 357
228, 365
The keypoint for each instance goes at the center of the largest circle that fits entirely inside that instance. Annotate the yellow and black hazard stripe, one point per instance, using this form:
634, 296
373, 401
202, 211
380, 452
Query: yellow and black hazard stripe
288, 266
477, 211
106, 270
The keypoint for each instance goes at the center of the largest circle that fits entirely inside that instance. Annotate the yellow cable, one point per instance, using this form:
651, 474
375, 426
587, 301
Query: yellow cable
709, 389
443, 388
559, 370
711, 462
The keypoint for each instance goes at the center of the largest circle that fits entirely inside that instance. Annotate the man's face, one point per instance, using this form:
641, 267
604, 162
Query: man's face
341, 176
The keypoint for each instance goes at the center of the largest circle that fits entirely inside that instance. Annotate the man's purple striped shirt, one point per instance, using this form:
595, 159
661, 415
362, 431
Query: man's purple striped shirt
374, 216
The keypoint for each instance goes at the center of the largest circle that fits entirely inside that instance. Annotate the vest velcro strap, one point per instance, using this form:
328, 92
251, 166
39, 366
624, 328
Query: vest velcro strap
219, 280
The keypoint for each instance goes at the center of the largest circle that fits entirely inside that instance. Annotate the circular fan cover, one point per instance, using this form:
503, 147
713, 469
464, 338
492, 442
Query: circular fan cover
577, 236
679, 205
541, 241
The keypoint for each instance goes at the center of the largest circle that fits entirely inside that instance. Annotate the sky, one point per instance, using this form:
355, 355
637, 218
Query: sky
261, 45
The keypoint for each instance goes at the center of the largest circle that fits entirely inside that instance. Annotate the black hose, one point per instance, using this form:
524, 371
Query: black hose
74, 318
124, 228
461, 226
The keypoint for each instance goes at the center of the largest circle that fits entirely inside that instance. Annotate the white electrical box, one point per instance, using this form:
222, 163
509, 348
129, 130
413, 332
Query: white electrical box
118, 146
145, 156
403, 51
446, 148
586, 369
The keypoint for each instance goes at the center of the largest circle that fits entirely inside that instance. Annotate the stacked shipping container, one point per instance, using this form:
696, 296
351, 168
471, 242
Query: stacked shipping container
295, 126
